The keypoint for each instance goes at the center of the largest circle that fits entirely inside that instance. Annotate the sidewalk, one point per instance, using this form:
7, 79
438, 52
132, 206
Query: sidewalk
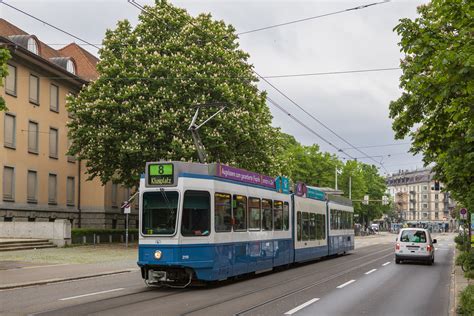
458, 284
43, 266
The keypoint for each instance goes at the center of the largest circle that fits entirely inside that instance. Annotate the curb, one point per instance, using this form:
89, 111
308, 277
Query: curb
452, 288
58, 280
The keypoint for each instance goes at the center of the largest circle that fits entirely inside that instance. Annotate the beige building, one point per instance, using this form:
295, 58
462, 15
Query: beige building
419, 197
39, 181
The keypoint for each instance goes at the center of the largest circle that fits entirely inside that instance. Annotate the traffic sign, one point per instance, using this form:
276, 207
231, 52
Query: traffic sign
463, 213
366, 200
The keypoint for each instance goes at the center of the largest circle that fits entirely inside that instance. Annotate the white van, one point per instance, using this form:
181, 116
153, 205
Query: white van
414, 244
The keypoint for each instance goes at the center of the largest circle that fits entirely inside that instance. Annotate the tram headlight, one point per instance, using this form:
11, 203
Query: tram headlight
158, 254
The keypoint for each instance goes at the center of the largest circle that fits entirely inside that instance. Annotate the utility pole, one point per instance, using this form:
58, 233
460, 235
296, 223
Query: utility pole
350, 187
336, 178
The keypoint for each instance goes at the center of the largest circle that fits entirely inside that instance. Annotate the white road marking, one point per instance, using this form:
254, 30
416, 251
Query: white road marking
345, 284
369, 272
297, 308
385, 264
90, 294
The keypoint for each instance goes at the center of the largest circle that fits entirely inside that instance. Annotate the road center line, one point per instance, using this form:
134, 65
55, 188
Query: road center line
345, 284
369, 272
90, 294
385, 264
297, 308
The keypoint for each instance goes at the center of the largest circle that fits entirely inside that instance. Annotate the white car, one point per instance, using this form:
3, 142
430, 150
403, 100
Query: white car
414, 244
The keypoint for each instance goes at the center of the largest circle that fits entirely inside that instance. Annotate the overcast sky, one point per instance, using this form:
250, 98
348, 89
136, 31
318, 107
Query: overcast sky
354, 105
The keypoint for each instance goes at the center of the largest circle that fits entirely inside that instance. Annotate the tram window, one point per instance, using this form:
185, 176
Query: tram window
278, 215
305, 226
333, 220
312, 226
323, 230
267, 218
319, 218
299, 226
196, 219
286, 216
254, 213
222, 212
159, 213
240, 212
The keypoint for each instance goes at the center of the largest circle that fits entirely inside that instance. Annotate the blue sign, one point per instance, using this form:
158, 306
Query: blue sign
282, 185
315, 194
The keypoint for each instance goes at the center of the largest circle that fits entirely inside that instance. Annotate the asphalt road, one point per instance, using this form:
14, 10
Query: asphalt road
366, 282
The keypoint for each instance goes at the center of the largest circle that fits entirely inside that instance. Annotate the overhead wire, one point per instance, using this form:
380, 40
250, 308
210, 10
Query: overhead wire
267, 77
312, 131
286, 96
312, 17
137, 5
49, 24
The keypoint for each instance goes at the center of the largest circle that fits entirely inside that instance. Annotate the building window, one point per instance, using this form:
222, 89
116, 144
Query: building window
10, 81
8, 184
436, 196
114, 194
71, 67
424, 206
70, 190
32, 137
52, 189
9, 138
436, 206
436, 215
425, 196
34, 89
53, 143
425, 188
33, 46
31, 187
8, 219
31, 219
54, 98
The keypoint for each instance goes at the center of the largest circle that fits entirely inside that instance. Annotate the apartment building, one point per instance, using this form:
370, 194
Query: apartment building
419, 197
39, 181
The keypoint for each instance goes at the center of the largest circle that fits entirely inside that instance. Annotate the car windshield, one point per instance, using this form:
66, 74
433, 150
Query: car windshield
159, 213
413, 236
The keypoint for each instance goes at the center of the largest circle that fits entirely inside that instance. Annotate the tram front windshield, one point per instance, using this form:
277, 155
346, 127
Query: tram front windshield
159, 212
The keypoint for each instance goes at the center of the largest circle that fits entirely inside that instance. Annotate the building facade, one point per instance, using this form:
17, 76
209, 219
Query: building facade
419, 197
40, 182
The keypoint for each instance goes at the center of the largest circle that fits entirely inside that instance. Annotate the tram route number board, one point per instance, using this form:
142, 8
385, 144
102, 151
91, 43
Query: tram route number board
160, 174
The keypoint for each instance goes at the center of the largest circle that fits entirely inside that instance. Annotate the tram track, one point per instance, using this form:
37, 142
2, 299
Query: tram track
296, 291
116, 302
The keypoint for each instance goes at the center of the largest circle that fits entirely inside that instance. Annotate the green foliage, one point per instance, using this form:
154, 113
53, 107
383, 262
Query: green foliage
466, 259
150, 78
436, 107
4, 57
467, 301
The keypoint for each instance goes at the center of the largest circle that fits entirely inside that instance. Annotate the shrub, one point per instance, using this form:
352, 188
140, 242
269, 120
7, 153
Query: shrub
106, 235
100, 231
466, 304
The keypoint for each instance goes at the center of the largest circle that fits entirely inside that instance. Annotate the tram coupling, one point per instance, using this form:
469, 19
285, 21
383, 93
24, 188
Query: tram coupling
175, 278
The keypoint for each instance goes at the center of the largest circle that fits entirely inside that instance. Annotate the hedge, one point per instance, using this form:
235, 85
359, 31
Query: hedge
87, 235
466, 304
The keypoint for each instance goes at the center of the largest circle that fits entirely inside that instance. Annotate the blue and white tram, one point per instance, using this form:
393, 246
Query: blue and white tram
211, 222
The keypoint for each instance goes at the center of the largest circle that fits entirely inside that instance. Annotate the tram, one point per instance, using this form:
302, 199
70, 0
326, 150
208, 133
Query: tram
211, 222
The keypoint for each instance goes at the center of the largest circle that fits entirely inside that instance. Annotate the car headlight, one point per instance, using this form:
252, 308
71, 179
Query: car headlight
158, 254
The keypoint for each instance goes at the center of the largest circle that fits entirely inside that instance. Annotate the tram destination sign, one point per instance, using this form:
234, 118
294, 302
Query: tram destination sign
160, 174
244, 176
